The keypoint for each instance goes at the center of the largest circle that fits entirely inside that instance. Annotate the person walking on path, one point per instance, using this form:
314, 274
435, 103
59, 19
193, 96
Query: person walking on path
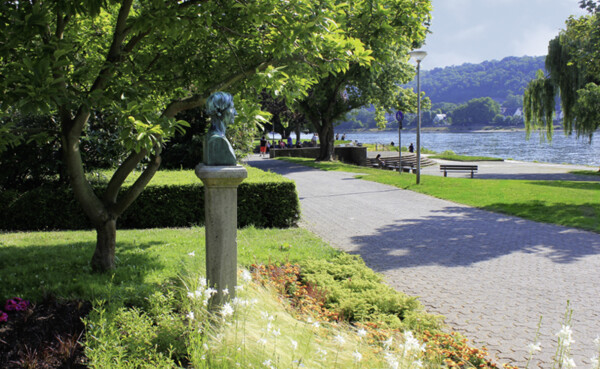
263, 146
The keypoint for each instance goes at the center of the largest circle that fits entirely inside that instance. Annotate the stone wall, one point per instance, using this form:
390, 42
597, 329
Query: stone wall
348, 154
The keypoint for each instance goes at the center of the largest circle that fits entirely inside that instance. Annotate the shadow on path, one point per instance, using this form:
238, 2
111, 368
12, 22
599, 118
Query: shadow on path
461, 236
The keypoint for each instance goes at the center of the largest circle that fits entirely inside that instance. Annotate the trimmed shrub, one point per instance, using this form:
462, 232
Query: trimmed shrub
52, 208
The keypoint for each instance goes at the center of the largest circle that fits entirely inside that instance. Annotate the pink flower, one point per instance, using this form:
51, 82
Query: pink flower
3, 316
16, 304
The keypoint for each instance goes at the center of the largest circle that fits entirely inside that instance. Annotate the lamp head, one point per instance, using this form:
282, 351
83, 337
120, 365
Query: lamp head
418, 55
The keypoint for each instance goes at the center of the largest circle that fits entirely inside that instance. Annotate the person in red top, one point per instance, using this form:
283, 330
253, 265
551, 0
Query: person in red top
263, 146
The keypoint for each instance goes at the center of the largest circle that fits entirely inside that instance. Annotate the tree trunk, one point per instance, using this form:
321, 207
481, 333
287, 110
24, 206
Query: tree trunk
106, 240
326, 142
297, 134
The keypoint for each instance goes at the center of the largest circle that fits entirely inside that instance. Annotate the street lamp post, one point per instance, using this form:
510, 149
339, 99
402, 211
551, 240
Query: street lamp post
418, 55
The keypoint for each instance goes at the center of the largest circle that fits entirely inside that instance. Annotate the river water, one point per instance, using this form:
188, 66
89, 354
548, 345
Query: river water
506, 145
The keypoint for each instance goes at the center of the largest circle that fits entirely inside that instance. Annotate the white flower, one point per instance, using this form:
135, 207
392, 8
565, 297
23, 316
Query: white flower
193, 253
388, 343
534, 347
267, 363
316, 324
246, 276
392, 361
357, 356
361, 332
339, 340
262, 341
238, 288
568, 362
276, 332
264, 315
225, 291
202, 281
418, 364
321, 353
411, 343
190, 315
227, 310
294, 344
566, 335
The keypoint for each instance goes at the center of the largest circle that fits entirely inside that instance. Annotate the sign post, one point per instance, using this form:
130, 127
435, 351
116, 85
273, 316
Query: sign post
399, 118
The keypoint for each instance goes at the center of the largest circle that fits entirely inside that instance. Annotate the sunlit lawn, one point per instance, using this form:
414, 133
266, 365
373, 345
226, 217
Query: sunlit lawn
568, 203
34, 264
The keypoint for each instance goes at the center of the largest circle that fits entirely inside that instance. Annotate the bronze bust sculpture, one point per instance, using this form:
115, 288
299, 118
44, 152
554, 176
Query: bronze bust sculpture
217, 149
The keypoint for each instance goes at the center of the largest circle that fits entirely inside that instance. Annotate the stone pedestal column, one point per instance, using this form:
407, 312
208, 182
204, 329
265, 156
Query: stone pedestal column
220, 210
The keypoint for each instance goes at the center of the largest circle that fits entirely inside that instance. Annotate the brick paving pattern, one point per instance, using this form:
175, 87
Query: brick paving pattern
492, 276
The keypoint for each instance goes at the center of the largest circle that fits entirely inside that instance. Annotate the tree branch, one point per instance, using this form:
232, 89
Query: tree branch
134, 191
198, 100
120, 175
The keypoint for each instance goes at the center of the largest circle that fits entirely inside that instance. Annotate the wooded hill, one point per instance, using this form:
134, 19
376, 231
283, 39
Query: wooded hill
495, 78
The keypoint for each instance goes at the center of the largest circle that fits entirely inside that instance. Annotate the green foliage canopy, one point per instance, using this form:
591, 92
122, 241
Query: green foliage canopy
142, 62
573, 66
476, 111
390, 29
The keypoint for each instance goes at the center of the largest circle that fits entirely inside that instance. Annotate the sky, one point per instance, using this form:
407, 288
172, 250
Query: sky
472, 31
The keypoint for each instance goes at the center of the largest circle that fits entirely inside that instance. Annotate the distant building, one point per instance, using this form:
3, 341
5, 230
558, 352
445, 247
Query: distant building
439, 118
518, 113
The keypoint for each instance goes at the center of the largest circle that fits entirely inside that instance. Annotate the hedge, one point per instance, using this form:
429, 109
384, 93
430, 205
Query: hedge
55, 208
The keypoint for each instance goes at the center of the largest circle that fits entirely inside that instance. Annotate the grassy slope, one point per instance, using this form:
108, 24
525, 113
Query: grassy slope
568, 203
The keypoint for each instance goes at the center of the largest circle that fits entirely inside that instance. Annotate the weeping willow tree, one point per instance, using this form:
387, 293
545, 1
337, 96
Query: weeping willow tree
573, 67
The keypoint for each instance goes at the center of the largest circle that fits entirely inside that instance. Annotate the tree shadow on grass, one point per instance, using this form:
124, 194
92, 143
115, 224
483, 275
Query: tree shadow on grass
463, 236
583, 216
592, 186
63, 270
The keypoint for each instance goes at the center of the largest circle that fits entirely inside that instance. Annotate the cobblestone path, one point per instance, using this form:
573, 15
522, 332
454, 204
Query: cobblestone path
491, 275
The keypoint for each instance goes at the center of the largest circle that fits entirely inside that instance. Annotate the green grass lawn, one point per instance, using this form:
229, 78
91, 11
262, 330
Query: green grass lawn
141, 316
184, 177
569, 203
455, 157
35, 264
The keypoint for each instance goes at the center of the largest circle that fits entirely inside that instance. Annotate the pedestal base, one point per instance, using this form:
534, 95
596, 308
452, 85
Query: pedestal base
220, 209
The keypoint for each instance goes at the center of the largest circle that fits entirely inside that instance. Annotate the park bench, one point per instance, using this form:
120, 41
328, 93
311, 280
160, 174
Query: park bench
457, 168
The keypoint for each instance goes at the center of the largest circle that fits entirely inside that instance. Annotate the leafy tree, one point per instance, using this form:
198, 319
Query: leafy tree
573, 66
476, 111
283, 119
140, 63
390, 29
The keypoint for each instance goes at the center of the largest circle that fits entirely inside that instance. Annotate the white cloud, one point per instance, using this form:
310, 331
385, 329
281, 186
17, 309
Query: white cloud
471, 31
533, 42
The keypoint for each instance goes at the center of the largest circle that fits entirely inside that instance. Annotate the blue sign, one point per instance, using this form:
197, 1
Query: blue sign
399, 116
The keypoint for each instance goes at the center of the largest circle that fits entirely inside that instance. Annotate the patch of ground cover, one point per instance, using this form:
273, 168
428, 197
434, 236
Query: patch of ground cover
343, 290
142, 316
450, 155
52, 270
568, 203
586, 172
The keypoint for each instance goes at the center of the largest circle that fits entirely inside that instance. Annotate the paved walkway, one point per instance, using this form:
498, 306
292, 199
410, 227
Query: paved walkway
491, 275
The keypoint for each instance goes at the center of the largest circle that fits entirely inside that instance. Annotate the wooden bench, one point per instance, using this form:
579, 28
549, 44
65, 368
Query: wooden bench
457, 168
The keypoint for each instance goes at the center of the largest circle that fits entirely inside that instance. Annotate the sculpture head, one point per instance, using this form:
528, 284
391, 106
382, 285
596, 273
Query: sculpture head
219, 107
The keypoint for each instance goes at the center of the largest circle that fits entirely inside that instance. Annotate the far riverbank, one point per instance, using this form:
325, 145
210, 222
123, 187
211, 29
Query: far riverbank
503, 144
